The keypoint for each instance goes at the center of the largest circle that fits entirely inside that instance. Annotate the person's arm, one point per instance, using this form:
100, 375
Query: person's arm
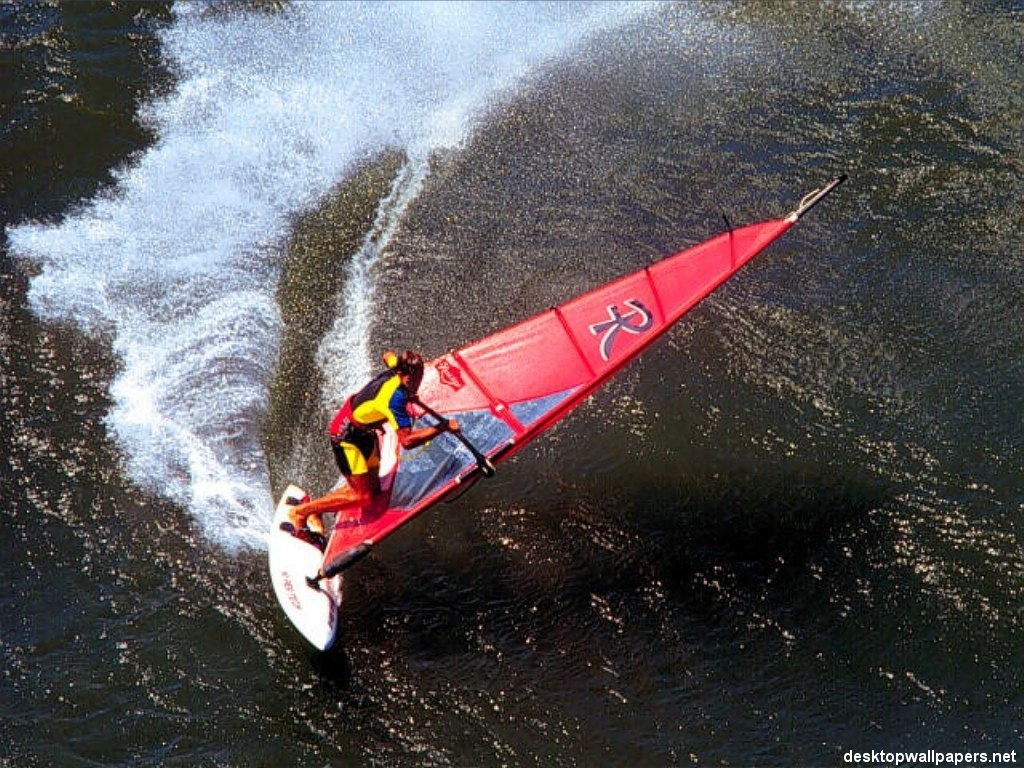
413, 438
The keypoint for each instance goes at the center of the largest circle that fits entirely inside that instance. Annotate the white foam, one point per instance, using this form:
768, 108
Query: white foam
179, 261
344, 354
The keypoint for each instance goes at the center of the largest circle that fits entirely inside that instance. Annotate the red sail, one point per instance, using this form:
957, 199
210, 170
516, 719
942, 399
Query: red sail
509, 387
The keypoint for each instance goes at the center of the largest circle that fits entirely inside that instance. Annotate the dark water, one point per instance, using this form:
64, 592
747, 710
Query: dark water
790, 530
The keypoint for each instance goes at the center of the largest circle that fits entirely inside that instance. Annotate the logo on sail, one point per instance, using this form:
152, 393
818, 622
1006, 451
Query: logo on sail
450, 375
636, 320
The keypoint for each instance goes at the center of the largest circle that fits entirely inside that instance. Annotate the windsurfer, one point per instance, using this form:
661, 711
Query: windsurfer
355, 440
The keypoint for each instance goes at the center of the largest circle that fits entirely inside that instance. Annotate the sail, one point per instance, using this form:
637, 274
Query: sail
509, 387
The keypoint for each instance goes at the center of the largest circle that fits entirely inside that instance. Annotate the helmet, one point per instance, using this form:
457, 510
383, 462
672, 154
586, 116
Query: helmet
409, 363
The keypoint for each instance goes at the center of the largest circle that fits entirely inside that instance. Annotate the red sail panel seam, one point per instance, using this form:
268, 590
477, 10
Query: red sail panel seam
657, 296
498, 408
575, 342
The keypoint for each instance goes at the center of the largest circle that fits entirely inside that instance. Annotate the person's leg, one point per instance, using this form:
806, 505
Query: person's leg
309, 513
359, 462
372, 502
363, 487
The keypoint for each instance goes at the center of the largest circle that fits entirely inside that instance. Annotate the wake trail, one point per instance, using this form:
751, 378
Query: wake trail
179, 261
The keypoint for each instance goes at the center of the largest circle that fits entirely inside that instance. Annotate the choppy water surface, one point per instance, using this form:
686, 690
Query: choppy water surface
791, 530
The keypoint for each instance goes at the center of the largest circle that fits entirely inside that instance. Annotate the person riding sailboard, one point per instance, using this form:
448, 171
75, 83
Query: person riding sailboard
355, 434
